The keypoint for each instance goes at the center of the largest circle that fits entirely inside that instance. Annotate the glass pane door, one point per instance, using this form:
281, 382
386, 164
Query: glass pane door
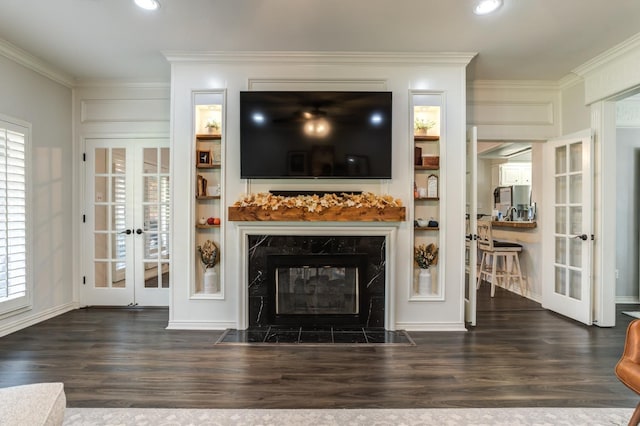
108, 218
128, 213
568, 226
152, 239
567, 236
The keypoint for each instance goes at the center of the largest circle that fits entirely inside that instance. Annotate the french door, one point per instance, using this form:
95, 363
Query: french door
127, 214
471, 241
568, 226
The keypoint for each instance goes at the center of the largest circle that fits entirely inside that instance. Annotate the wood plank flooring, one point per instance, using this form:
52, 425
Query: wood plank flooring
519, 355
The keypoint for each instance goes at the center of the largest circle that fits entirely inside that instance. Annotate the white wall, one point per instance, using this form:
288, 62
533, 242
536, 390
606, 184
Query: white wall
319, 71
485, 185
28, 96
576, 115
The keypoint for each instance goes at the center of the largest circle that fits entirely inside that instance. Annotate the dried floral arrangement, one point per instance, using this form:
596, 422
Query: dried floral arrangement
317, 203
208, 254
426, 255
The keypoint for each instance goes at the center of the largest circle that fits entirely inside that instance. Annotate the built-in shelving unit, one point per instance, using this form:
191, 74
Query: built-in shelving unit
426, 201
209, 184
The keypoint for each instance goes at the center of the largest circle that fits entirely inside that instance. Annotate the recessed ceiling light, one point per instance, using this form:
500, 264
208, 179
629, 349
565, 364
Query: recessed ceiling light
484, 7
148, 4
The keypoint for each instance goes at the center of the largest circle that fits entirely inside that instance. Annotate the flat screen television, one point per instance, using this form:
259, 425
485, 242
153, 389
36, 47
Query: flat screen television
319, 135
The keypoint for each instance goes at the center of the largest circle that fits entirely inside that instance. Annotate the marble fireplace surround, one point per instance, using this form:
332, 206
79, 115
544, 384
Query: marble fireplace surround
318, 229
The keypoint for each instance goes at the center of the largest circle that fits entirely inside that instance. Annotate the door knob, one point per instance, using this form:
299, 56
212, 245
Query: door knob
127, 231
139, 231
583, 237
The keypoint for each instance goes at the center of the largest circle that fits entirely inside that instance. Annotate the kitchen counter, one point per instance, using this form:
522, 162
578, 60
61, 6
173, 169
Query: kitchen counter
515, 224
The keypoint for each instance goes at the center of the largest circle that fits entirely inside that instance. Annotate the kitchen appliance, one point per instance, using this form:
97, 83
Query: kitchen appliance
517, 197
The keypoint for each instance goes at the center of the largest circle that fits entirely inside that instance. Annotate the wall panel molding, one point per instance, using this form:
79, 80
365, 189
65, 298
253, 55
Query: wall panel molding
512, 113
317, 84
124, 110
514, 110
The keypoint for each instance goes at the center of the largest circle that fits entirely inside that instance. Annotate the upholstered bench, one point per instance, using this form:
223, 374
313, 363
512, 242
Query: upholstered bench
33, 405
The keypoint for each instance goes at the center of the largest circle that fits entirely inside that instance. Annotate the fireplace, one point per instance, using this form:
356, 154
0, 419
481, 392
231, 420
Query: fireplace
316, 280
317, 289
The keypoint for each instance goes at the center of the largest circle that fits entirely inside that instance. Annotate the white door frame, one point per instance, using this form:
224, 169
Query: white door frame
603, 123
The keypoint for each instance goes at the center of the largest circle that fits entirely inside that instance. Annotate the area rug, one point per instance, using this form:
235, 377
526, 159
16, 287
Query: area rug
353, 417
635, 314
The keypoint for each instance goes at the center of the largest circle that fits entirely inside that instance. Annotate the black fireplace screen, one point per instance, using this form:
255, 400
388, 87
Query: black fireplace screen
317, 290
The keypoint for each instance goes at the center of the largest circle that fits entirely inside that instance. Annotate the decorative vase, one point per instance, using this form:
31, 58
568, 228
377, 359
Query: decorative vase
424, 282
210, 281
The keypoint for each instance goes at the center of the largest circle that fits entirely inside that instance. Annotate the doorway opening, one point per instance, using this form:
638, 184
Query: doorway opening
512, 165
628, 199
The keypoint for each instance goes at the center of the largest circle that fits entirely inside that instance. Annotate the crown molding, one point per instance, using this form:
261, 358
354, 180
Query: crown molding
33, 63
611, 54
359, 58
569, 81
513, 84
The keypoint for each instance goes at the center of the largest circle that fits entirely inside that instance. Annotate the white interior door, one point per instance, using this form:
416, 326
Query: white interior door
127, 222
471, 243
568, 226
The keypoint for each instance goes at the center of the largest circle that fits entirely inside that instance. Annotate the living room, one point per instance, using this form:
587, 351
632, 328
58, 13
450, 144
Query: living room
66, 115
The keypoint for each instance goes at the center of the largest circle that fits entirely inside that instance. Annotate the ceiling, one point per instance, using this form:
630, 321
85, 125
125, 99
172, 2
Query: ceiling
93, 40
499, 150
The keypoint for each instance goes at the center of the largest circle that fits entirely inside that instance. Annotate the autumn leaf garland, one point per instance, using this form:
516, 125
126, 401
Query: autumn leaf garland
317, 203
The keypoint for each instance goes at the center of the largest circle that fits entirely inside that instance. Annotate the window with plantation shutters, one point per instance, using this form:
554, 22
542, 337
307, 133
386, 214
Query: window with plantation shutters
13, 217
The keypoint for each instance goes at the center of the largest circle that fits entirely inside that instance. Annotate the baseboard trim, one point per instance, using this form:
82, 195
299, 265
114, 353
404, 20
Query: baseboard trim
430, 326
29, 320
200, 325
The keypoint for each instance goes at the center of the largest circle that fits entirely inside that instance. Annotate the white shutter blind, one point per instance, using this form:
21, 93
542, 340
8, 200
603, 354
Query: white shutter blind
13, 233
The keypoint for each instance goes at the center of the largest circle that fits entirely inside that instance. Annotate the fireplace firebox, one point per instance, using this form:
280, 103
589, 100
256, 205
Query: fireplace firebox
317, 289
316, 280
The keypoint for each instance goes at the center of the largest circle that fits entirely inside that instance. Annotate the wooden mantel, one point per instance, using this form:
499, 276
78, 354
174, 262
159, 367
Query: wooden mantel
330, 214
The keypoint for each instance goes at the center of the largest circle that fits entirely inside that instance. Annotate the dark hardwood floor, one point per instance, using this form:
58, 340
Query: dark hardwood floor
519, 355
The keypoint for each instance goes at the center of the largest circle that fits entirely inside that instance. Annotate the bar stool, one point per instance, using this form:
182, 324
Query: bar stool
500, 259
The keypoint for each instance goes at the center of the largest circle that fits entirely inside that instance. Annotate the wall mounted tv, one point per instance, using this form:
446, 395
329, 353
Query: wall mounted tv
332, 135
